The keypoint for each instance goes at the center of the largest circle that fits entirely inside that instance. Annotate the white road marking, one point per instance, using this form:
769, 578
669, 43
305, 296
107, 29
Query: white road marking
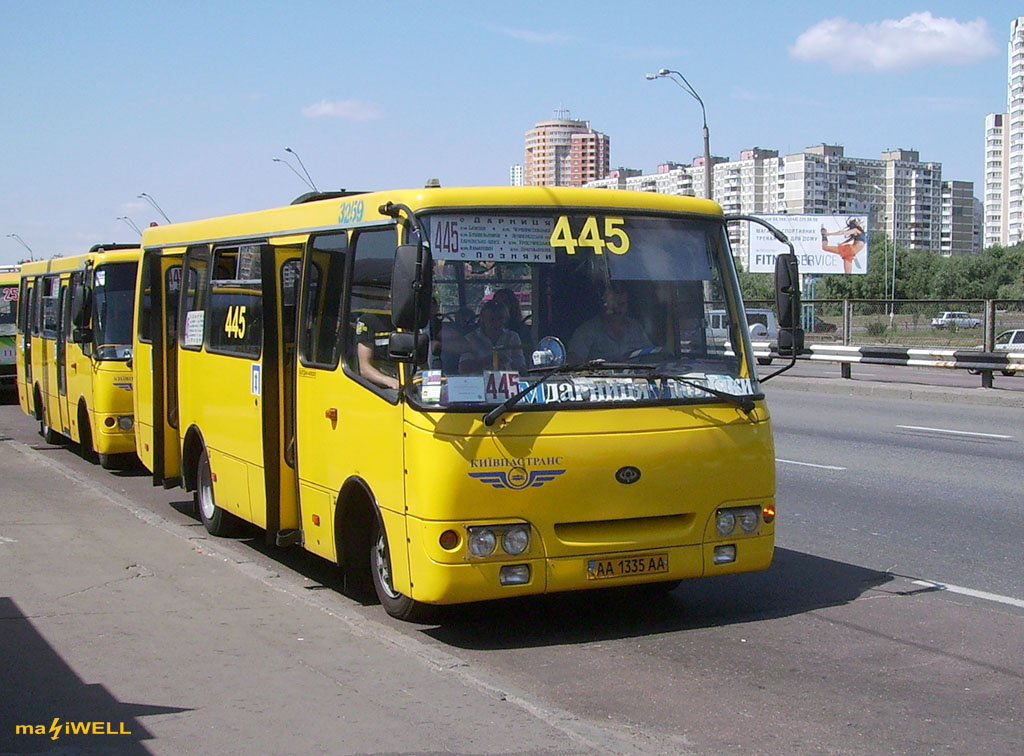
809, 464
954, 432
971, 592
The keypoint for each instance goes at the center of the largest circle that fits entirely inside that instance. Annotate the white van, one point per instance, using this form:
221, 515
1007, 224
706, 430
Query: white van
762, 324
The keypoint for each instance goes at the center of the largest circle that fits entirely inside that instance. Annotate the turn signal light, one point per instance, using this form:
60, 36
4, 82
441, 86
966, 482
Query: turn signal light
768, 512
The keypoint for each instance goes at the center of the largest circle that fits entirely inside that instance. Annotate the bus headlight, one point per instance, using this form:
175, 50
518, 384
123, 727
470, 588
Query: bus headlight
516, 540
125, 422
749, 520
482, 541
725, 522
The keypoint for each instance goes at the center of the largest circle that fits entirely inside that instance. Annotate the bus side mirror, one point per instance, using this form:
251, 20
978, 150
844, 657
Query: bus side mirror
787, 301
81, 336
82, 301
408, 346
411, 286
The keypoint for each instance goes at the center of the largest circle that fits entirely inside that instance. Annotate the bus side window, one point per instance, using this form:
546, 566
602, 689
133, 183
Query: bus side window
323, 286
193, 299
235, 308
291, 271
51, 291
369, 312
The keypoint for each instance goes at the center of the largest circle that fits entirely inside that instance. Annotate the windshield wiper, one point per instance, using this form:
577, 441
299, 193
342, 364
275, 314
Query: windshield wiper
513, 400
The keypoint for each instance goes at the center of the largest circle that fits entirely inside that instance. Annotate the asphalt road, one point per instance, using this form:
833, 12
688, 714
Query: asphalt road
890, 622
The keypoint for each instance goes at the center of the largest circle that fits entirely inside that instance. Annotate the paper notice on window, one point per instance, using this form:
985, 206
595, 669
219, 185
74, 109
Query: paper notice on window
194, 321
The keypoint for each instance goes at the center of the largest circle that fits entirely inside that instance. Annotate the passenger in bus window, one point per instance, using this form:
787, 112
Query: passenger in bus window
613, 335
516, 321
492, 346
373, 332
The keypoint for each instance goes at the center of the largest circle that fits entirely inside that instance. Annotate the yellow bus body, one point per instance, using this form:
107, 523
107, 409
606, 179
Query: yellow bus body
77, 390
314, 454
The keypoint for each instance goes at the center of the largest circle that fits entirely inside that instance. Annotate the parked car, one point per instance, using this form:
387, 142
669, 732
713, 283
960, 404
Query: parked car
956, 319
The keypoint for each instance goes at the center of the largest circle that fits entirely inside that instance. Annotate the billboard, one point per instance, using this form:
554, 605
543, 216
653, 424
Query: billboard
823, 243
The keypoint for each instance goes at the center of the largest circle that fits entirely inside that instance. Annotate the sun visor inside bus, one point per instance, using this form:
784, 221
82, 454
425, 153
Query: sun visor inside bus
661, 251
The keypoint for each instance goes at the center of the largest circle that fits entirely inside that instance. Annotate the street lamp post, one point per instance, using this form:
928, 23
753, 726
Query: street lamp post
301, 165
130, 223
21, 241
156, 207
292, 169
683, 84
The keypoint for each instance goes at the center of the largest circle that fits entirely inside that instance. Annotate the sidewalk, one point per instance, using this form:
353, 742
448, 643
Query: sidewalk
111, 615
888, 390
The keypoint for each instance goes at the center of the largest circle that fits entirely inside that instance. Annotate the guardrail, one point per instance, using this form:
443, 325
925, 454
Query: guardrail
985, 363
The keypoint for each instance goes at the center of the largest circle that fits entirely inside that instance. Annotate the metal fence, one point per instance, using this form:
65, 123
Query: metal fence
907, 323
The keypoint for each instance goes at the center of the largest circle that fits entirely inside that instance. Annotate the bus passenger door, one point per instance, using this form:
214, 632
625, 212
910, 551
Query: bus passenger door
26, 299
155, 367
61, 353
347, 428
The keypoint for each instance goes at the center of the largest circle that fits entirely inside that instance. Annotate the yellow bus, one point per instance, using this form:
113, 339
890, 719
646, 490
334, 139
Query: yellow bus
8, 313
74, 340
460, 394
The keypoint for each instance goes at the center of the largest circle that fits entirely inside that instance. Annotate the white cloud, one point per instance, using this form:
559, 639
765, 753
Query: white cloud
349, 110
919, 39
535, 37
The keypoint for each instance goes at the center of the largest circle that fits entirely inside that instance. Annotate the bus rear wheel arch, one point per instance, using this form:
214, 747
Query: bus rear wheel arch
216, 521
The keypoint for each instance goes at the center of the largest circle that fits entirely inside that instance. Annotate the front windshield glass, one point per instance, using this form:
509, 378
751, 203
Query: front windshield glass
113, 302
8, 307
623, 308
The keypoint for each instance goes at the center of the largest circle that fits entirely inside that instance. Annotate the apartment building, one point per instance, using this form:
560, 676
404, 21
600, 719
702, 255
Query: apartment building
565, 152
1004, 152
902, 195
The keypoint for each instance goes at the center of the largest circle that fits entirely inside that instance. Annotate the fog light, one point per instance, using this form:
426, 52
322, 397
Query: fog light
514, 574
725, 521
481, 542
516, 540
449, 540
724, 554
125, 422
749, 520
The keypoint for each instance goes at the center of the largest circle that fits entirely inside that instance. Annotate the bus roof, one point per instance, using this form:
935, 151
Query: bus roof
98, 254
354, 209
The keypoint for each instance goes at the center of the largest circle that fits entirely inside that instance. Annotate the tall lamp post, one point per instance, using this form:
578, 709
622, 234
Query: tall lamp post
683, 84
21, 241
131, 224
156, 207
303, 167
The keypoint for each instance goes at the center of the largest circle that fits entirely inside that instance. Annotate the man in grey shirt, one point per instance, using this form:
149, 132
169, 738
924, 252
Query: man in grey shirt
613, 335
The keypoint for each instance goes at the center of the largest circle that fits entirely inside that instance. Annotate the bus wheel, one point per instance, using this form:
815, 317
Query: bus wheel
216, 520
49, 434
85, 436
394, 603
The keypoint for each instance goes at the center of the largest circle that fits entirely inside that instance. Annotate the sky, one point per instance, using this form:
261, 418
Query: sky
190, 103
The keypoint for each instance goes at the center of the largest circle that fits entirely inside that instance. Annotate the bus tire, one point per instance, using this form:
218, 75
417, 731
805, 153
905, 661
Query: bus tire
216, 521
85, 447
49, 434
396, 604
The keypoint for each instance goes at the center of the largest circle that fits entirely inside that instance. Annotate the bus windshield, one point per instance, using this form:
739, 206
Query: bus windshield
617, 303
8, 307
113, 303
